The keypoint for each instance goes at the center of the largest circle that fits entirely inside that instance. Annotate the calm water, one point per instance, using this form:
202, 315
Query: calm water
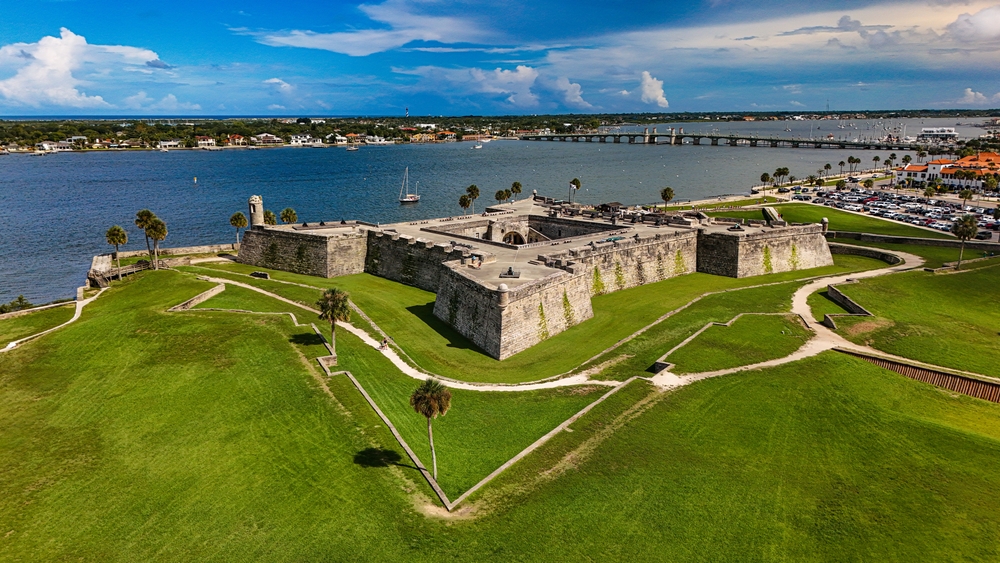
54, 209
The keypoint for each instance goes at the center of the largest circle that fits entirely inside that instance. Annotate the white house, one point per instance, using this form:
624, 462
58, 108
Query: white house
302, 140
336, 139
171, 144
268, 139
205, 141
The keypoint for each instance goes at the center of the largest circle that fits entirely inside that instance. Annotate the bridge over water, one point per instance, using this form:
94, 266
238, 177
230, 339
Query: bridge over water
674, 137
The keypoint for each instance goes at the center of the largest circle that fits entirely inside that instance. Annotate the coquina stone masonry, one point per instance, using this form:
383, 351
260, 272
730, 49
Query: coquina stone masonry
503, 311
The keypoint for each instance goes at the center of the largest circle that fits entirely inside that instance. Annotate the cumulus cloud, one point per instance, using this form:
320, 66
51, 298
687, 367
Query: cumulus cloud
572, 93
514, 86
142, 101
652, 90
157, 63
984, 25
280, 84
972, 97
404, 24
275, 106
46, 70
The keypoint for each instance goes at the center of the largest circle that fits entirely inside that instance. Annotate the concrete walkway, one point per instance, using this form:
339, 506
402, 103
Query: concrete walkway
824, 338
415, 373
76, 315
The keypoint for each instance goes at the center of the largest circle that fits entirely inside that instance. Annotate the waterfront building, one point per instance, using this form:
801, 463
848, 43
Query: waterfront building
268, 139
204, 142
944, 170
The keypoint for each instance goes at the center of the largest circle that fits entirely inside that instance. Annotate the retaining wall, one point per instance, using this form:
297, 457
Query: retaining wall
986, 390
940, 242
846, 302
866, 251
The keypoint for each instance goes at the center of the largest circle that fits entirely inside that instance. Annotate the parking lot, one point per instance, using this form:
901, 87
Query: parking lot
931, 213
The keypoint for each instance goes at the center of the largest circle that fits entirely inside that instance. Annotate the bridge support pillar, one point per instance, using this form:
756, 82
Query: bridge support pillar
715, 142
617, 138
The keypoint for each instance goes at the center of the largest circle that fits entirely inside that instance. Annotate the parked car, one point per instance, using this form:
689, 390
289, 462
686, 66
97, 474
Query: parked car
783, 190
984, 235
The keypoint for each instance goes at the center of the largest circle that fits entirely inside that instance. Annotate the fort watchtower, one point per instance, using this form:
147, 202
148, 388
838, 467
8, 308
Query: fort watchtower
256, 204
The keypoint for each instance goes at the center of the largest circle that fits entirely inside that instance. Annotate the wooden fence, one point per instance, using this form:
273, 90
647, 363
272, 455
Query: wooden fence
978, 388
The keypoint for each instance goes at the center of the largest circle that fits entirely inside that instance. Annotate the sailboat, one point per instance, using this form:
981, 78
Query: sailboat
404, 190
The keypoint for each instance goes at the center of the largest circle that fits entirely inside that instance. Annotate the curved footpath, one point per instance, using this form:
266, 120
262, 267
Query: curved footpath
76, 315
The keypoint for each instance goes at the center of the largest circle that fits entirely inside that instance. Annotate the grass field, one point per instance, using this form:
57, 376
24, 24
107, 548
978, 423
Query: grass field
934, 256
821, 304
944, 319
406, 313
734, 203
749, 340
839, 220
204, 436
17, 328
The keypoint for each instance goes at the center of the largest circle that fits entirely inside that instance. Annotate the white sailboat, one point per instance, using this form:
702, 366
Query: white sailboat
404, 190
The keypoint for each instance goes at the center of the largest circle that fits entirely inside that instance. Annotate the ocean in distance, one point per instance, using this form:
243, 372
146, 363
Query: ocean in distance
55, 209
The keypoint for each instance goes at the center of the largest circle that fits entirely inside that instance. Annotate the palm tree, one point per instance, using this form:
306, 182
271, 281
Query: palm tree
464, 201
473, 193
143, 219
828, 166
238, 221
666, 194
765, 178
334, 307
431, 399
288, 215
875, 160
921, 155
811, 179
907, 159
507, 195
498, 196
270, 218
964, 228
157, 231
966, 195
869, 184
117, 236
887, 164
841, 164
929, 191
574, 185
515, 189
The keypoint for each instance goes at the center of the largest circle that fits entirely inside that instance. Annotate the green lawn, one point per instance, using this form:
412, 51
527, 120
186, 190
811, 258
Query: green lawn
944, 319
406, 313
17, 328
749, 340
239, 298
821, 304
734, 203
840, 220
934, 256
140, 435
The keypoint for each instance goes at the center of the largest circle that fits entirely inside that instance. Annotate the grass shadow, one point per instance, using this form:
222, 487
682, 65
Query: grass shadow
307, 339
425, 313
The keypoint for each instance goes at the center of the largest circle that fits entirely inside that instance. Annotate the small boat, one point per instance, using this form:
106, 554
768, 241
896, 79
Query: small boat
404, 190
164, 150
478, 145
352, 148
251, 147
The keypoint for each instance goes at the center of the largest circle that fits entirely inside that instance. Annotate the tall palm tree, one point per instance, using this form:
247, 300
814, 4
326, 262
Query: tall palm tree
907, 159
238, 221
966, 195
841, 164
964, 228
464, 201
507, 195
270, 218
574, 186
827, 167
117, 236
431, 399
498, 196
143, 219
157, 231
666, 194
875, 160
288, 215
473, 193
515, 189
764, 179
334, 306
929, 191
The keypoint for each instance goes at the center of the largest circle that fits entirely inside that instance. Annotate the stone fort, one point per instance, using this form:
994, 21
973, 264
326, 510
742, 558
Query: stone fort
522, 272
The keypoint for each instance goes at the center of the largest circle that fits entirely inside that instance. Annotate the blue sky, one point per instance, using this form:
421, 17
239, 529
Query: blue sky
457, 57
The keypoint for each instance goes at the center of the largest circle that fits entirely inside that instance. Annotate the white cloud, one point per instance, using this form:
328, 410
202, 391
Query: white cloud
275, 106
796, 104
515, 85
170, 103
996, 97
972, 97
138, 101
624, 92
280, 84
142, 101
403, 20
572, 93
984, 25
47, 71
793, 88
652, 90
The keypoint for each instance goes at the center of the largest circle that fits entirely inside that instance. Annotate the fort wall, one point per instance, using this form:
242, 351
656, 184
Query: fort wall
305, 253
767, 251
409, 260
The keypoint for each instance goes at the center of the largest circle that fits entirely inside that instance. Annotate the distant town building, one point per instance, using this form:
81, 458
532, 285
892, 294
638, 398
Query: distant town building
938, 134
171, 144
236, 140
303, 140
268, 139
203, 141
944, 170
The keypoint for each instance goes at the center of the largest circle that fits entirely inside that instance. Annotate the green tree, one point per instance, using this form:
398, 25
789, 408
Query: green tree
841, 165
841, 184
515, 189
875, 160
990, 184
143, 219
507, 195
464, 201
966, 195
288, 215
498, 196
574, 186
929, 191
907, 159
157, 231
473, 193
431, 399
270, 218
117, 236
334, 306
964, 228
764, 179
238, 221
827, 167
869, 184
667, 194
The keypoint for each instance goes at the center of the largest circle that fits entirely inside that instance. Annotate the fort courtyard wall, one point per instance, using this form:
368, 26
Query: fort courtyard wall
305, 252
